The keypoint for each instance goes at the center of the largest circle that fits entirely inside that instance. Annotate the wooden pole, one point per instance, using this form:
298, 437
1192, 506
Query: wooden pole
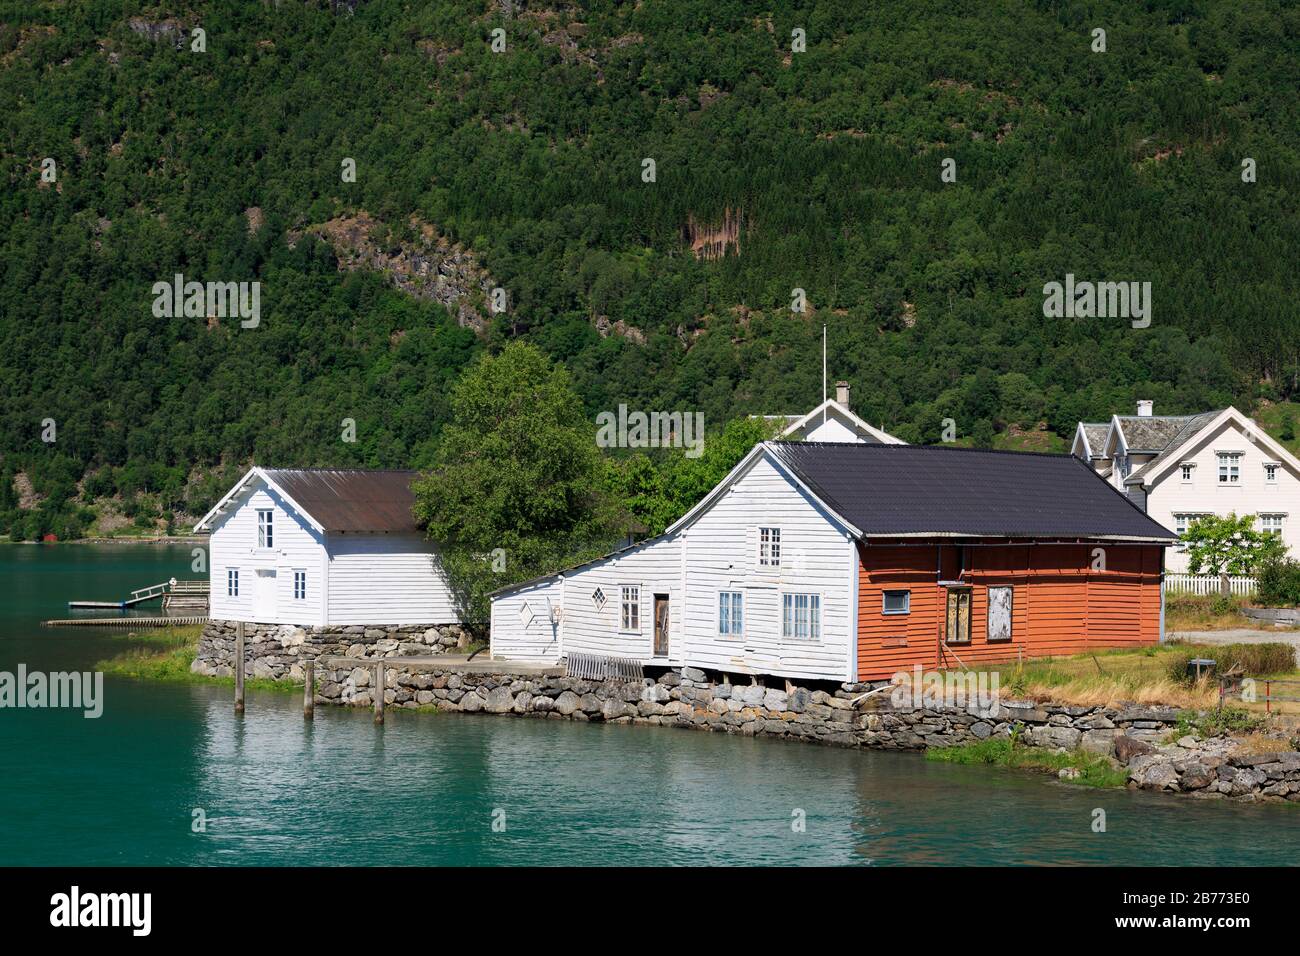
239, 667
309, 690
379, 692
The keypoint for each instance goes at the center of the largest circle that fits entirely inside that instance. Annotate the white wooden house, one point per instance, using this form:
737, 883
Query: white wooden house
832, 421
323, 547
778, 570
1182, 467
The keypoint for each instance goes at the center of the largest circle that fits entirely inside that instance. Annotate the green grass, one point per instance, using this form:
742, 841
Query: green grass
165, 654
1214, 723
1094, 770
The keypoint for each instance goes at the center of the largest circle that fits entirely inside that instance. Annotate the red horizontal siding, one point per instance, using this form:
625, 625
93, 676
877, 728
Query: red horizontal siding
1060, 603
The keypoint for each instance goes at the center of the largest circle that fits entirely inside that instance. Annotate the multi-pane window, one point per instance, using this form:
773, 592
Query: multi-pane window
1270, 472
630, 616
232, 582
958, 616
300, 585
265, 529
731, 614
1229, 468
598, 599
1186, 468
801, 616
1271, 524
769, 547
896, 602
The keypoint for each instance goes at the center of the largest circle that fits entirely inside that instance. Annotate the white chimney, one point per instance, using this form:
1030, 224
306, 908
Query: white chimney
842, 393
1144, 408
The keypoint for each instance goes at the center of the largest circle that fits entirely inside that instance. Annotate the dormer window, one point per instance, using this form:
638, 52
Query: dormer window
1186, 469
1121, 463
265, 528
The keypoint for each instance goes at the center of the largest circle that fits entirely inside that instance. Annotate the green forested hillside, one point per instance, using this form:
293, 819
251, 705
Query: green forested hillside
817, 170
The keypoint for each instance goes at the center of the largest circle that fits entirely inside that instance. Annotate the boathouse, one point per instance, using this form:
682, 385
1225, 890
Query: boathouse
852, 561
324, 547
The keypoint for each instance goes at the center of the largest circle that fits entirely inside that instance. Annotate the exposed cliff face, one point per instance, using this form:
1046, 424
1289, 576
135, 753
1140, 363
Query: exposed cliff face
711, 241
431, 267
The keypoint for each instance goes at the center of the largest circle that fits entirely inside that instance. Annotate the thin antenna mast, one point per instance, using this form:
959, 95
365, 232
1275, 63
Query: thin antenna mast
823, 373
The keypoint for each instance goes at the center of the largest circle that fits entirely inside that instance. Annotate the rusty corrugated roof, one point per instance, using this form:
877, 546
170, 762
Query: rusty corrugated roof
351, 500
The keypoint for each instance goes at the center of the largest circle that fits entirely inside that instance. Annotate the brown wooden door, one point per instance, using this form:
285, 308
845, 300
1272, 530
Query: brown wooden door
661, 625
958, 623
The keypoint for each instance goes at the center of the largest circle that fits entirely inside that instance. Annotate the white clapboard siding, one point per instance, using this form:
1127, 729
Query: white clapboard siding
387, 579
656, 568
526, 622
721, 553
296, 546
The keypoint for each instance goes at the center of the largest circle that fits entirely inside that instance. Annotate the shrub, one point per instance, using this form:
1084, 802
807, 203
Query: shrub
1217, 723
1278, 583
1252, 659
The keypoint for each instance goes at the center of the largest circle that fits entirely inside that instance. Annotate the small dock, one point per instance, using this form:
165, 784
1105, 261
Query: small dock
158, 621
176, 595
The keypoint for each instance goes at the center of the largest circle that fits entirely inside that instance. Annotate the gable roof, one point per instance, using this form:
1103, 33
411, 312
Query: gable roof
1203, 425
799, 423
1094, 437
337, 500
893, 491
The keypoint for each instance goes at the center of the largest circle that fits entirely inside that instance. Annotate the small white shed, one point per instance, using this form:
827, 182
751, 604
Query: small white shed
324, 547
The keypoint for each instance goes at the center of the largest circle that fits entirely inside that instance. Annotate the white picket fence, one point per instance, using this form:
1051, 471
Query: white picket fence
1238, 584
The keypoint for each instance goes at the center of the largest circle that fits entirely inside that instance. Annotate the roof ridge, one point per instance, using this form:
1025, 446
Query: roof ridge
943, 447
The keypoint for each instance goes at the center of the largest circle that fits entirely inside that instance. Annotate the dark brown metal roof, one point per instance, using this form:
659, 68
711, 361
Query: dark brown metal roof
351, 500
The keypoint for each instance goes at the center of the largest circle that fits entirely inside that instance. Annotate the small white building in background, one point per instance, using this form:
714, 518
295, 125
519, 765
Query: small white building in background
323, 547
1182, 467
832, 421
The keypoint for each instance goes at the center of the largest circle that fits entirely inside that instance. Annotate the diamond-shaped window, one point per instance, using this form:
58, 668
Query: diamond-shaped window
598, 598
526, 614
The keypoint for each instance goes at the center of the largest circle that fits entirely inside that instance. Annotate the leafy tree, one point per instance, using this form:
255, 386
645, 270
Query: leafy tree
1228, 543
515, 488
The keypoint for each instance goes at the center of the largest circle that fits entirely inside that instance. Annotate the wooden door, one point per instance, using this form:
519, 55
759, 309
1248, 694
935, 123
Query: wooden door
661, 625
958, 618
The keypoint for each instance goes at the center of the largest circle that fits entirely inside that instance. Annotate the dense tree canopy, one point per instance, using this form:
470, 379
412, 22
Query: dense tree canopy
1122, 165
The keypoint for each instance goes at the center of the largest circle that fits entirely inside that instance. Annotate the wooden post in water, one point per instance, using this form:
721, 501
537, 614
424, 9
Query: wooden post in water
239, 667
309, 690
378, 683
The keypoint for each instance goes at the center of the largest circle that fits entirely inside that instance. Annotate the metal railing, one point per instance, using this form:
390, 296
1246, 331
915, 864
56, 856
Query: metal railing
597, 667
1248, 690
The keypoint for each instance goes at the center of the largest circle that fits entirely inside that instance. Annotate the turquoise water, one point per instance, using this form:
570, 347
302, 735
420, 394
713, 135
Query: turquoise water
427, 788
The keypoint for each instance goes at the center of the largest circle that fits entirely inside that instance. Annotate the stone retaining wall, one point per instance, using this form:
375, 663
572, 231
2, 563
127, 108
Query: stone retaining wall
276, 651
1134, 737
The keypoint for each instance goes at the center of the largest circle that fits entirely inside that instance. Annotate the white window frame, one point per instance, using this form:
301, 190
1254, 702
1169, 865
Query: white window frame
300, 584
1229, 469
790, 616
769, 547
1271, 469
1186, 519
1271, 518
629, 608
1188, 469
907, 601
266, 528
734, 618
232, 582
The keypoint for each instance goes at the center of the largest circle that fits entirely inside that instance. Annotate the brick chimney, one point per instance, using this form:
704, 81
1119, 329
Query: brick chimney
1145, 406
842, 393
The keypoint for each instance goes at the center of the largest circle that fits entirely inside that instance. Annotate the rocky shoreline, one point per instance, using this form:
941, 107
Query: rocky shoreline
1135, 737
277, 651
